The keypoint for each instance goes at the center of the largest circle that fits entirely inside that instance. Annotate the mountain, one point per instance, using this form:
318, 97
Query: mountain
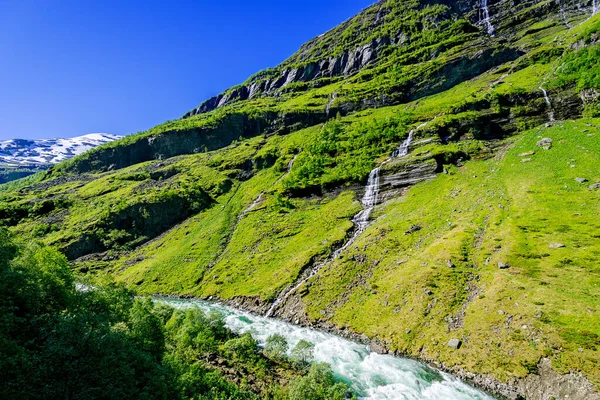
20, 152
422, 177
20, 158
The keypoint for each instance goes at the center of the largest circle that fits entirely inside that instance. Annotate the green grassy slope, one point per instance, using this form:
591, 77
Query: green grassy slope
241, 201
511, 209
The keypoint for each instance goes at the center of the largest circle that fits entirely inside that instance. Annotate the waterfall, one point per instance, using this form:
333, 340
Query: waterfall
360, 220
330, 103
563, 15
289, 166
594, 7
403, 149
485, 12
550, 109
369, 201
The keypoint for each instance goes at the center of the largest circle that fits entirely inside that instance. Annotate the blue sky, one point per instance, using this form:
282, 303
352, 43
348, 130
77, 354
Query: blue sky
71, 67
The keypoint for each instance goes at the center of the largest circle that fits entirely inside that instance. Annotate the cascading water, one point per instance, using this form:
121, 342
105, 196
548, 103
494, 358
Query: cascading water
361, 220
370, 376
564, 15
369, 200
485, 17
594, 8
549, 103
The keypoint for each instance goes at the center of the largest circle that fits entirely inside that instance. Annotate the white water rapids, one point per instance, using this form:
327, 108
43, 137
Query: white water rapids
371, 376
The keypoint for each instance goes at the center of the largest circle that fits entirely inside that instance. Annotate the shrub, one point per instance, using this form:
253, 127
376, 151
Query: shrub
319, 384
276, 346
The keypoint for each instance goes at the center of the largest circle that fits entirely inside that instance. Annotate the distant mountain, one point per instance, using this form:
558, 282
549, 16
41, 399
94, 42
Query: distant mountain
20, 158
35, 153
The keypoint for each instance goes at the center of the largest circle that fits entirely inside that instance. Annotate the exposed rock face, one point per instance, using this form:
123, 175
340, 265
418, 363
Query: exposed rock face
548, 384
302, 67
177, 142
346, 64
402, 174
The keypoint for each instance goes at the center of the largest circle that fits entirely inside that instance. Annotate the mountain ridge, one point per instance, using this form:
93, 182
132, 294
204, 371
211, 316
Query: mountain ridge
475, 236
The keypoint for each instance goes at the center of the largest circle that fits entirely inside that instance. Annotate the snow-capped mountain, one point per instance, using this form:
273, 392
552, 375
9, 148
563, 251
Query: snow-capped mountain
20, 152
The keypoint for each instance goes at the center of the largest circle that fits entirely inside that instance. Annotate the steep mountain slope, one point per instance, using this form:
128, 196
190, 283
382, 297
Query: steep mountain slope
20, 158
426, 171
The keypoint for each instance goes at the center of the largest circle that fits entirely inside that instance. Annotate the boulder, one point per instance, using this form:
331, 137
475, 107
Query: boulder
581, 180
557, 246
455, 343
527, 153
413, 229
503, 265
545, 143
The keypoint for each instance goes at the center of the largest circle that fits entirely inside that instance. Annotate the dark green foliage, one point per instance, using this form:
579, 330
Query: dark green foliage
276, 346
581, 68
319, 384
100, 342
303, 352
344, 153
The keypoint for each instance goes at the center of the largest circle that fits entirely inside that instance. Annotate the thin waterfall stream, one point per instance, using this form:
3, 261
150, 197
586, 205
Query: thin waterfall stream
360, 220
485, 17
563, 15
549, 103
369, 375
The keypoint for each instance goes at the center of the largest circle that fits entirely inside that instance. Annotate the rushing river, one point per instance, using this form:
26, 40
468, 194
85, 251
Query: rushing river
370, 375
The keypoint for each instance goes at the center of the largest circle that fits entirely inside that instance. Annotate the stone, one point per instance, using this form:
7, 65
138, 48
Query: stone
502, 265
545, 143
526, 160
581, 180
428, 292
450, 264
455, 343
557, 246
413, 229
594, 186
527, 153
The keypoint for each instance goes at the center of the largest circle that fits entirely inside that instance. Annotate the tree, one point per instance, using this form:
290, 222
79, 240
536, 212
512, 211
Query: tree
319, 384
146, 328
276, 346
243, 348
303, 352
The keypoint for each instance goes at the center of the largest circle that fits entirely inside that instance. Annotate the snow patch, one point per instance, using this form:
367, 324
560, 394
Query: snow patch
20, 152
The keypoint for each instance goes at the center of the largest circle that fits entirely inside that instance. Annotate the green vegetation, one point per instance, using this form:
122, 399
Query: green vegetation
241, 202
511, 210
102, 342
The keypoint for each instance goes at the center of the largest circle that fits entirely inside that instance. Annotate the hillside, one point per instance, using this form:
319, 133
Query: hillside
424, 174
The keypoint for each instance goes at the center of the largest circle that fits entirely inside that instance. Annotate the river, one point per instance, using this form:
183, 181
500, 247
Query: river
370, 375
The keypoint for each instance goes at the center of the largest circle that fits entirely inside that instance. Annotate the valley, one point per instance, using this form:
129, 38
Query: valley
423, 179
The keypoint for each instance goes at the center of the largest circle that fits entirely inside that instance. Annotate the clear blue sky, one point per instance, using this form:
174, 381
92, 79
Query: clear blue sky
71, 67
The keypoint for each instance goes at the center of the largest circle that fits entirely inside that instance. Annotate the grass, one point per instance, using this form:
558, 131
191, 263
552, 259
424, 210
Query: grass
485, 213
